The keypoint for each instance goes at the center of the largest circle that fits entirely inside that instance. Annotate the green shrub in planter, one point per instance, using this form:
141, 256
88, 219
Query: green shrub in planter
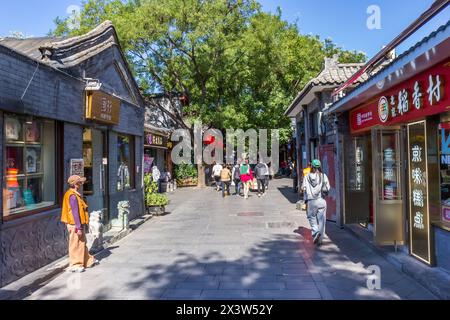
149, 185
156, 200
186, 175
185, 171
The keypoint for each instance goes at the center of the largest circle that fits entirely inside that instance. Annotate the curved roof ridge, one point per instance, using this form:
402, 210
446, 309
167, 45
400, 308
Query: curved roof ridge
71, 41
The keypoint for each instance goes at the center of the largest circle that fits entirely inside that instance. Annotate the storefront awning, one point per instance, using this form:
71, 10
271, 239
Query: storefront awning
425, 54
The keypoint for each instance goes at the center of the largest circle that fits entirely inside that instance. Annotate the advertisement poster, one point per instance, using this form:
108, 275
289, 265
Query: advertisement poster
77, 167
148, 161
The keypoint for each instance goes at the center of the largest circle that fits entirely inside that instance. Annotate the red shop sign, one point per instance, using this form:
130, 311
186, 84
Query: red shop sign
423, 95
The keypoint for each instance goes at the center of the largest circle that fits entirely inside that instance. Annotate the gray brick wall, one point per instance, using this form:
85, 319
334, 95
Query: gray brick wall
30, 243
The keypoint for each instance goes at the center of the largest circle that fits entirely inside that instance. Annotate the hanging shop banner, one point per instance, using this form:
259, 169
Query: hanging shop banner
420, 96
102, 107
154, 140
419, 218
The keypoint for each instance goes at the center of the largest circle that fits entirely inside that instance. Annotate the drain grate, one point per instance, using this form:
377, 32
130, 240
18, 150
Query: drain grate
274, 225
250, 214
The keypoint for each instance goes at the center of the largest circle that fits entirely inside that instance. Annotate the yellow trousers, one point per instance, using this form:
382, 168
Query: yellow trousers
78, 252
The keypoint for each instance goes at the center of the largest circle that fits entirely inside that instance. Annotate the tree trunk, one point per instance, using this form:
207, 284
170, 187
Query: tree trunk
201, 176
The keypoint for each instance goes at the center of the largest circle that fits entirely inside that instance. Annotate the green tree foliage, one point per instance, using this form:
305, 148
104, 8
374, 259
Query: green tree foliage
239, 66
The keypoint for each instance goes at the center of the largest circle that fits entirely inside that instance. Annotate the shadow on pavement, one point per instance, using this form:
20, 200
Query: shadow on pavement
289, 194
284, 265
272, 269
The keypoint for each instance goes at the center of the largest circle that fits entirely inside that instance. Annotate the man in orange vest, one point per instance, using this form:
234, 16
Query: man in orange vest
75, 215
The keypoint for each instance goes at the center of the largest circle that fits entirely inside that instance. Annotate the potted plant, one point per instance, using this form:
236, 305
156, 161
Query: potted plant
155, 202
186, 175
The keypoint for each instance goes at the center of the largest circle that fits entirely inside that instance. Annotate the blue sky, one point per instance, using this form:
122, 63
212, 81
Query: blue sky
344, 21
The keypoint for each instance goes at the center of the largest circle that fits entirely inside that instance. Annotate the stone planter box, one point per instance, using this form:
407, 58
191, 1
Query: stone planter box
191, 182
156, 210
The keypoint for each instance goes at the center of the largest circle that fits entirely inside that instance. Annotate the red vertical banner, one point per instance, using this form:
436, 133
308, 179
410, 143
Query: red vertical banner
326, 154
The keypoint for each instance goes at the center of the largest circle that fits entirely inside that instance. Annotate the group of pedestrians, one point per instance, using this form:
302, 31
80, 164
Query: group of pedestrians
242, 176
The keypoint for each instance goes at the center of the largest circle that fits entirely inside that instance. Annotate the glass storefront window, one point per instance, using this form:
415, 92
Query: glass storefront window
356, 152
88, 187
444, 156
150, 159
29, 172
390, 167
125, 160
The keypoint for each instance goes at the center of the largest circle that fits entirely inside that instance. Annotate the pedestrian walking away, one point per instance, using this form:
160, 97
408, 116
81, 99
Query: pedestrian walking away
237, 178
225, 178
316, 186
217, 169
262, 177
246, 177
75, 215
306, 171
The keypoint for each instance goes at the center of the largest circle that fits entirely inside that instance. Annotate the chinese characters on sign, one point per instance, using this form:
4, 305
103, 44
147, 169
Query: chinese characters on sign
422, 95
401, 106
102, 107
106, 110
364, 117
155, 140
419, 218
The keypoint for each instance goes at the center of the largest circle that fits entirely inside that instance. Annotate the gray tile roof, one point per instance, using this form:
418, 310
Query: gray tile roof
338, 74
65, 52
29, 47
333, 74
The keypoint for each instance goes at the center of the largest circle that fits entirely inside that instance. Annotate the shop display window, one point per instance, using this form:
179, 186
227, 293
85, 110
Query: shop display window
357, 158
88, 187
150, 159
29, 172
126, 163
390, 166
444, 156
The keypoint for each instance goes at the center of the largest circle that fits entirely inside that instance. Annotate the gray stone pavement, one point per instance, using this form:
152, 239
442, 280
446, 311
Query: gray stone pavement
213, 248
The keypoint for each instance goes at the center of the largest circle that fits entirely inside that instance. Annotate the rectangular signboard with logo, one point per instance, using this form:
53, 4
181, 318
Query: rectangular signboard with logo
155, 140
420, 227
422, 95
102, 107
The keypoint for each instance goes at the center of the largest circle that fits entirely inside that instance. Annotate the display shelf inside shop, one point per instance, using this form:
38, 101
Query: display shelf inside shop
30, 207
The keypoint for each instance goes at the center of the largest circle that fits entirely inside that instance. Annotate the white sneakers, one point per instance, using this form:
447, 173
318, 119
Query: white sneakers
80, 269
96, 262
76, 269
317, 238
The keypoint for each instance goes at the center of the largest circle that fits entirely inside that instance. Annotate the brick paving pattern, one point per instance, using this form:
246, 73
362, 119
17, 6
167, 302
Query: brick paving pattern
212, 248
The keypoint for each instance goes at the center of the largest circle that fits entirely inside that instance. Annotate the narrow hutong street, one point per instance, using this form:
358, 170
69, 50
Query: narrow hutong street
208, 247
